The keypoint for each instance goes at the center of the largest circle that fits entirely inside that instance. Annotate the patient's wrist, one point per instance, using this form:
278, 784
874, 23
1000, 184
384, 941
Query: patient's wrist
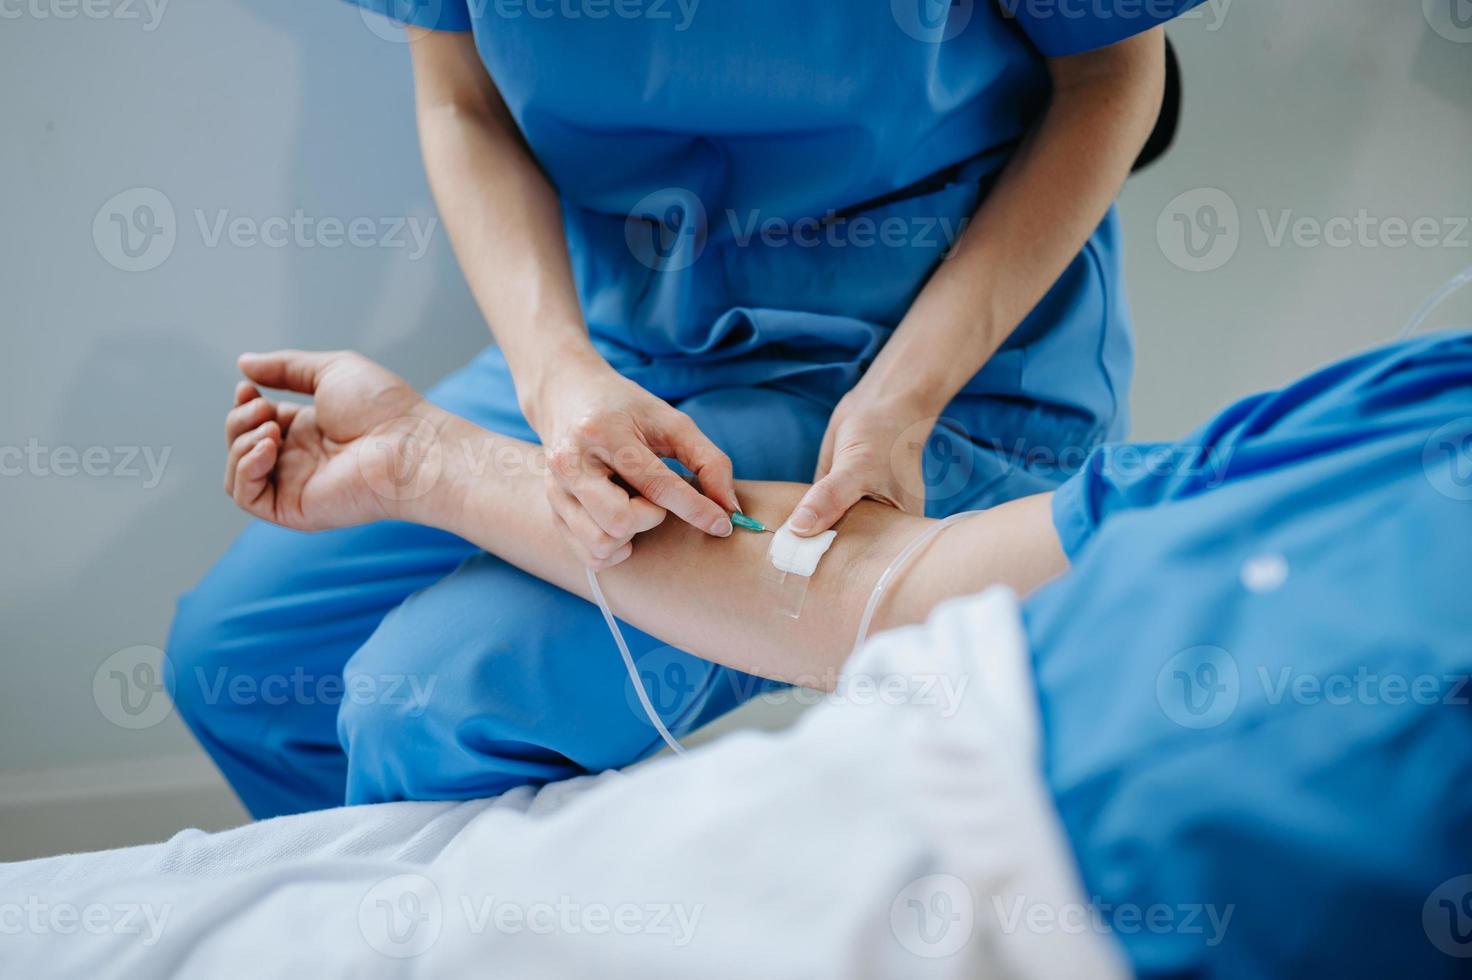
437, 461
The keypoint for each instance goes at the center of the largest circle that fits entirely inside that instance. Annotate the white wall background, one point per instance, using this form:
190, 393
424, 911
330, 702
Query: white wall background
1318, 109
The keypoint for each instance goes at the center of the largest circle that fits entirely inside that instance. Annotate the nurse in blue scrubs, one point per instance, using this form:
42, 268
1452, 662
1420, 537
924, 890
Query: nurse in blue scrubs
869, 241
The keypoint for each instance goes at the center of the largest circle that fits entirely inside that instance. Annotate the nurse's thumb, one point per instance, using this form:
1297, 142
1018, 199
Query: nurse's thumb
825, 503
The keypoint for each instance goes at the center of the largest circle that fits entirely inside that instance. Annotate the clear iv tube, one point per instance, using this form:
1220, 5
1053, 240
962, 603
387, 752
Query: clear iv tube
898, 565
623, 649
1443, 294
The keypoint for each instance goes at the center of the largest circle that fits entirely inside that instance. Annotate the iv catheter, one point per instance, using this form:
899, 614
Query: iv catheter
750, 524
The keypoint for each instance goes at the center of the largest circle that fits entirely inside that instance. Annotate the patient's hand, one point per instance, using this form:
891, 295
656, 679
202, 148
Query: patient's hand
365, 446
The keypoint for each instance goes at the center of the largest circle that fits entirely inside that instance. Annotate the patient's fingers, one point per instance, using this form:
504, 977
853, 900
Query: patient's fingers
245, 391
242, 418
286, 413
253, 489
268, 430
292, 370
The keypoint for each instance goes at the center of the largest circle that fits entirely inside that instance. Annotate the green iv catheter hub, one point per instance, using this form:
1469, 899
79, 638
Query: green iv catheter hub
750, 524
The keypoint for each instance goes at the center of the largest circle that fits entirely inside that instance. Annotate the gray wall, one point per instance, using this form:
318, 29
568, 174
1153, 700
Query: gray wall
232, 109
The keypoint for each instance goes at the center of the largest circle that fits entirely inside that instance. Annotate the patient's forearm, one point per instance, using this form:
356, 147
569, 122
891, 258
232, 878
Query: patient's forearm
710, 595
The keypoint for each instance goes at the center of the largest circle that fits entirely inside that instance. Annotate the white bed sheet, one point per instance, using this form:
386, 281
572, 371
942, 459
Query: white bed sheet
901, 829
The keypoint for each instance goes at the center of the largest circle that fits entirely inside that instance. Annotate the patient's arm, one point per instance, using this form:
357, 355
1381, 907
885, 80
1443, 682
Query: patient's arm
369, 448
709, 595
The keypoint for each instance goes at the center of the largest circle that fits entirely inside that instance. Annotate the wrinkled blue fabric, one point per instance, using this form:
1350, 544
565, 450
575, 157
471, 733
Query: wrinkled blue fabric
1255, 681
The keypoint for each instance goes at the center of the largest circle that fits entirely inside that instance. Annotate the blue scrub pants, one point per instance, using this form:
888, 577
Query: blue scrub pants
393, 661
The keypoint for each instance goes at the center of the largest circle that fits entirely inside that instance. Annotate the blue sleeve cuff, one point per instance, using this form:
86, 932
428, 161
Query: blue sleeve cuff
1064, 27
1073, 518
433, 15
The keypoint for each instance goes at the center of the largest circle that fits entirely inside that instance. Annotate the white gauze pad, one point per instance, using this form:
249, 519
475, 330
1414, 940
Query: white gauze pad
798, 556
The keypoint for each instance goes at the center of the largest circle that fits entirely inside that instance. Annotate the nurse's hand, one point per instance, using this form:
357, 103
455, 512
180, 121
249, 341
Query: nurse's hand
873, 450
606, 479
362, 449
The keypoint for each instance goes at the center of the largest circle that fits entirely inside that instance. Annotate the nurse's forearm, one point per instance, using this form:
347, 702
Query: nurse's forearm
710, 595
503, 217
1048, 201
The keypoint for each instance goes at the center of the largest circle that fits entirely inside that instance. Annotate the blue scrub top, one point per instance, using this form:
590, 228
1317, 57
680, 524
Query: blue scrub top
1255, 684
755, 191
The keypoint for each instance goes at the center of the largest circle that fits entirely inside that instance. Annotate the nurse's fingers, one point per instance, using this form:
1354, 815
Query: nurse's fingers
291, 370
267, 431
584, 476
826, 503
659, 484
825, 452
702, 457
594, 540
588, 480
245, 391
587, 558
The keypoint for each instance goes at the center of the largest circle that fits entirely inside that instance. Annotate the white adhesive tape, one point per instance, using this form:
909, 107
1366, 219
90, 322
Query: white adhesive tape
798, 556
